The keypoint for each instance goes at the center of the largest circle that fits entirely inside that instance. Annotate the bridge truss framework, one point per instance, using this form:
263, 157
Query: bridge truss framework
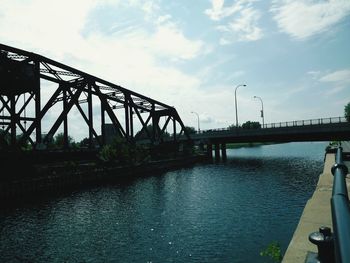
23, 107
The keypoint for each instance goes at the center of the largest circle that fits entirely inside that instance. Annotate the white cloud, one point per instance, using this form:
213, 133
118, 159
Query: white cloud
302, 19
314, 74
49, 27
340, 76
336, 81
218, 11
170, 41
337, 76
243, 21
134, 58
244, 28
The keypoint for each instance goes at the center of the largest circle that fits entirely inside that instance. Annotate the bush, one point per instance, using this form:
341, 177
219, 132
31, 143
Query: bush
123, 152
107, 154
273, 251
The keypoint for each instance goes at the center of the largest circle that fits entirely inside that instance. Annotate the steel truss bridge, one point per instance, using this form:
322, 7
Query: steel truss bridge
25, 78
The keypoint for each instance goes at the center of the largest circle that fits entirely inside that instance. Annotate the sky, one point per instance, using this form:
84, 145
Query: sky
294, 54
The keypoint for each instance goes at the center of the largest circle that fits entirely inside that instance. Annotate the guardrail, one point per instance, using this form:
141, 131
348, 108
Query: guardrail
286, 124
335, 247
306, 122
340, 210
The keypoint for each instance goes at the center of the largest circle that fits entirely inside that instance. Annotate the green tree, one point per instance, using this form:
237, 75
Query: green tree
142, 134
347, 111
232, 127
84, 142
4, 140
58, 141
251, 125
190, 130
25, 144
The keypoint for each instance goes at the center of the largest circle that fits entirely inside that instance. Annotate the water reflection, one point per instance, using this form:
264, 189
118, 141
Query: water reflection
208, 213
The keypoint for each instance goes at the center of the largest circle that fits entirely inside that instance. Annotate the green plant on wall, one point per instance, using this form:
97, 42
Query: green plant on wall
122, 152
273, 251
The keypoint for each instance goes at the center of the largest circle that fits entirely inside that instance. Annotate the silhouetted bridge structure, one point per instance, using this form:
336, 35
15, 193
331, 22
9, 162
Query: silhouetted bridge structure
326, 129
37, 92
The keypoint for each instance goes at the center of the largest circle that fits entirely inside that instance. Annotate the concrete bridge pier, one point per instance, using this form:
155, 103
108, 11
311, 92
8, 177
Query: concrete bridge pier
217, 152
217, 148
223, 152
210, 151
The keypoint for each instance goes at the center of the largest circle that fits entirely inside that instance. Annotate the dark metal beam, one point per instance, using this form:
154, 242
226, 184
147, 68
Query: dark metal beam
110, 113
63, 115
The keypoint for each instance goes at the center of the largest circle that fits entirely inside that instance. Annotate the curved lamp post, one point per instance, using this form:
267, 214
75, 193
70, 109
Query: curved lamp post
262, 109
240, 85
197, 120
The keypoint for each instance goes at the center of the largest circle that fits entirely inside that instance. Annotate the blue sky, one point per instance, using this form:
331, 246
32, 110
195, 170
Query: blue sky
294, 54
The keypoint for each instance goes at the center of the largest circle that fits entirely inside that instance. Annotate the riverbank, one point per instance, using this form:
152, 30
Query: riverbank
317, 213
67, 176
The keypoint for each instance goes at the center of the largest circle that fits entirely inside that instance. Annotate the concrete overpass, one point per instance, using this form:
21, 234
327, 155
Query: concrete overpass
326, 129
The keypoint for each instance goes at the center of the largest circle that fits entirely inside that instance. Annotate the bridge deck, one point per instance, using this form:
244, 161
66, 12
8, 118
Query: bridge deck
318, 132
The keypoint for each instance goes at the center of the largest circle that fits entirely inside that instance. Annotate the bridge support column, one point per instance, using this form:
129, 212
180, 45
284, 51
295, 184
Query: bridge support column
13, 120
38, 136
217, 152
103, 130
210, 151
223, 151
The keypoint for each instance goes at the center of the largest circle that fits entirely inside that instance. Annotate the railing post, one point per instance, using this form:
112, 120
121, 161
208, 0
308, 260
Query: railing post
325, 244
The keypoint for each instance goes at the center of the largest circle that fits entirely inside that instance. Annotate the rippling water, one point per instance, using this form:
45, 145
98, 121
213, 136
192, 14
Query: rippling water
208, 213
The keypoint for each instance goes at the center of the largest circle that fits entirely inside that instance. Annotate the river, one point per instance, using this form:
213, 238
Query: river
219, 212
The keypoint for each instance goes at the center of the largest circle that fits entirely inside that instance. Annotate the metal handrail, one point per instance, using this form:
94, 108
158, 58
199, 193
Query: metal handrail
340, 210
297, 123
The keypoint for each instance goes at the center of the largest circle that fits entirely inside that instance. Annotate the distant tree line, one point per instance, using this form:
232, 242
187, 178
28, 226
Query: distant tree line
246, 125
347, 111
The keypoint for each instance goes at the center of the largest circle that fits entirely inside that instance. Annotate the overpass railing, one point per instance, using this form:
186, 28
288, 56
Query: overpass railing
298, 123
305, 122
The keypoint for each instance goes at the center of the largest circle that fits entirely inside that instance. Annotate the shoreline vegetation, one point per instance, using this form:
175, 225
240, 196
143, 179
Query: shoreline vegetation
60, 177
44, 173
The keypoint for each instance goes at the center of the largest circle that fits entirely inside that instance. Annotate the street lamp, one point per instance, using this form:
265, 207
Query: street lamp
197, 120
240, 85
262, 108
